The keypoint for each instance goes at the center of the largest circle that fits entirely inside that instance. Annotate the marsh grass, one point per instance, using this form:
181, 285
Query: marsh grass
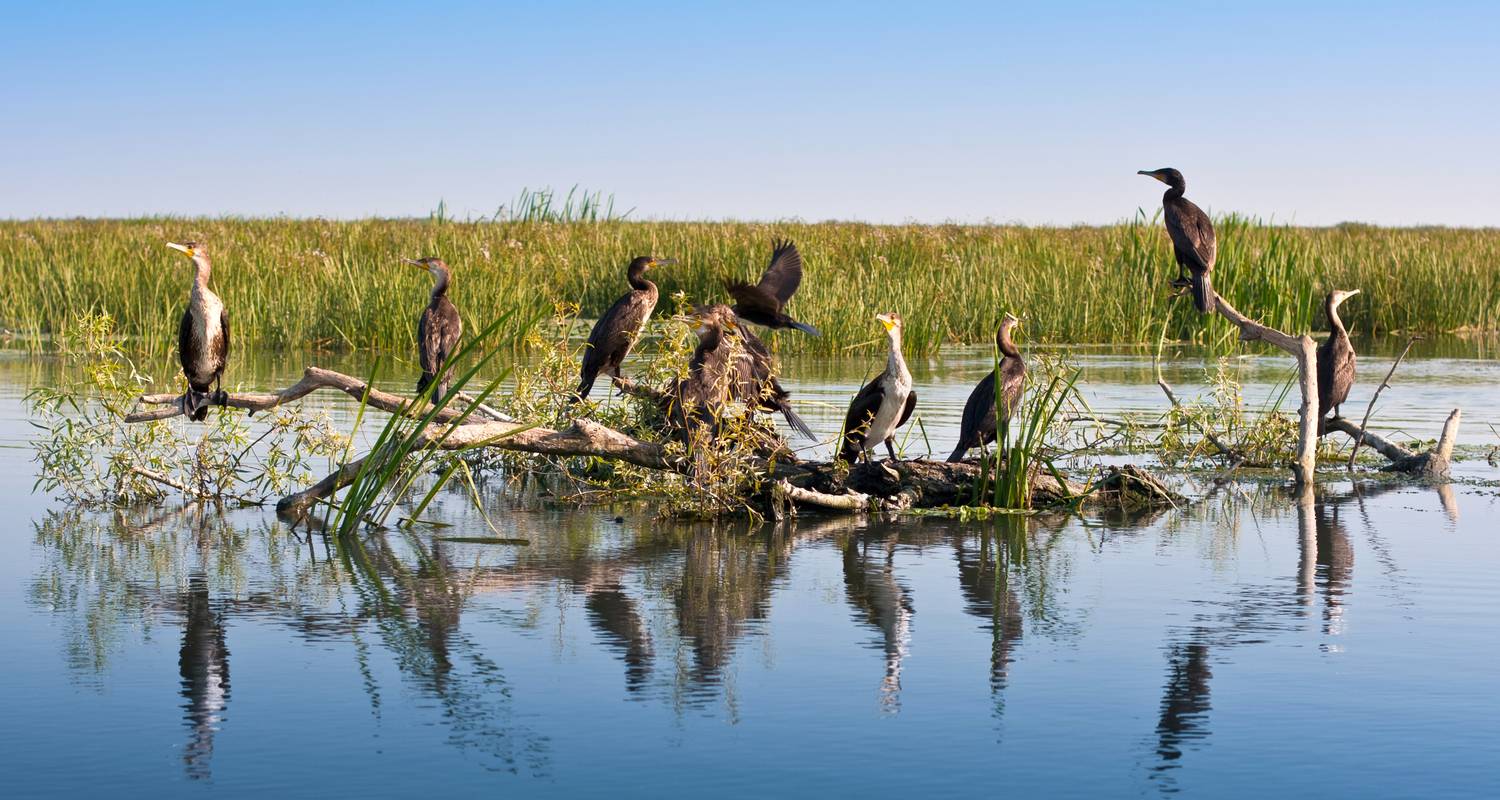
338, 285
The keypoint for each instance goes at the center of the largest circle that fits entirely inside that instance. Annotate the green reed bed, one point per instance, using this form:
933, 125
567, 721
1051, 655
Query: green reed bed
338, 285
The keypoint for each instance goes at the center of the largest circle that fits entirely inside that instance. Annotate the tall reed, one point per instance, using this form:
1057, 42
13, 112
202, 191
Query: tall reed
338, 285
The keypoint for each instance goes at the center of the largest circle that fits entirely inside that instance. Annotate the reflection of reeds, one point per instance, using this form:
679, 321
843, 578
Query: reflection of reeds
291, 283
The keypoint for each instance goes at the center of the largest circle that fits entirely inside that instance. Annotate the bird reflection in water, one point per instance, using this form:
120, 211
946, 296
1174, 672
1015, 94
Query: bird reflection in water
204, 664
881, 602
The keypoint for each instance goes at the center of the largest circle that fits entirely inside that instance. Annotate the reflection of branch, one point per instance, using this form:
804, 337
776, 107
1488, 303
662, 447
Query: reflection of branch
1370, 409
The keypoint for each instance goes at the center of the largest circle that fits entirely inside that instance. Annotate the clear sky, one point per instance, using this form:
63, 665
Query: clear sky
1034, 112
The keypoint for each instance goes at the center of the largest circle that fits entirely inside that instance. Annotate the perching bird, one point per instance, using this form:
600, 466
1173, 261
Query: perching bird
438, 331
764, 303
883, 405
1335, 359
615, 332
1192, 238
728, 352
982, 413
202, 337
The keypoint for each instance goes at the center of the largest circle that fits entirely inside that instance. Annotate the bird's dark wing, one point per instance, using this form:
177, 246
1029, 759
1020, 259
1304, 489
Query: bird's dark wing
427, 342
862, 410
1192, 234
1012, 380
615, 332
784, 274
185, 341
751, 301
453, 328
911, 405
979, 408
223, 338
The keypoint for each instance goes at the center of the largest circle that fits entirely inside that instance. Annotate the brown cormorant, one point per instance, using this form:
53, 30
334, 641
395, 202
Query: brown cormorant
1335, 359
764, 303
1192, 238
884, 404
202, 337
438, 331
615, 332
730, 354
982, 414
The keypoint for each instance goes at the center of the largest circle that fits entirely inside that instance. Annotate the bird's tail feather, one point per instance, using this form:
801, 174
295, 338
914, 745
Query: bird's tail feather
795, 422
959, 452
1203, 292
585, 385
806, 328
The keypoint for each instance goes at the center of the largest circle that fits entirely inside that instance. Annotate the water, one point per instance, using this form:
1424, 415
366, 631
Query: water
1252, 645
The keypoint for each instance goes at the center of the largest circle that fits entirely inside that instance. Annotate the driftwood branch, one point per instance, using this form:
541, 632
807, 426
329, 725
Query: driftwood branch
313, 379
1305, 351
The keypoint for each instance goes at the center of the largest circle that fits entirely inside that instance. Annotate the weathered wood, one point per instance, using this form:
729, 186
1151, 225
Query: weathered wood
1305, 351
313, 379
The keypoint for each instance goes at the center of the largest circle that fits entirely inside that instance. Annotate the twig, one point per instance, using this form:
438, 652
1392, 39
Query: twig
1370, 409
1234, 456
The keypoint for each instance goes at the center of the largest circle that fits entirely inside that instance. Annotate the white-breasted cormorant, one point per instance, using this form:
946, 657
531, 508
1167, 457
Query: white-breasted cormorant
438, 331
764, 303
982, 412
1335, 359
616, 332
884, 404
203, 335
1192, 238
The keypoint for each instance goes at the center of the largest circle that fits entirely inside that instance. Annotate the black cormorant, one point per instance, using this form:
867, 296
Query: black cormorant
203, 335
1335, 359
764, 303
438, 331
729, 353
1192, 237
982, 413
615, 332
883, 405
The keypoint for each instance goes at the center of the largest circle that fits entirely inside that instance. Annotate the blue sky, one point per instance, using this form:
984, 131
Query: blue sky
1031, 112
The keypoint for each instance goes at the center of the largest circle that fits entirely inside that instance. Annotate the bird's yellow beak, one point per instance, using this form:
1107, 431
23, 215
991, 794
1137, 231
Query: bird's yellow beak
662, 262
417, 264
886, 321
184, 248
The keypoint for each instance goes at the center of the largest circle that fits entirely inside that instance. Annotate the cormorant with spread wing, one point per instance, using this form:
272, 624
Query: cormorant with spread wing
1335, 359
983, 413
616, 332
1192, 238
202, 337
438, 331
765, 303
884, 404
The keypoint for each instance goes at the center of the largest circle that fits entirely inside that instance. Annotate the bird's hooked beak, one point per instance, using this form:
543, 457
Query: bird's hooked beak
887, 321
1340, 296
188, 251
1012, 319
414, 263
1152, 173
661, 262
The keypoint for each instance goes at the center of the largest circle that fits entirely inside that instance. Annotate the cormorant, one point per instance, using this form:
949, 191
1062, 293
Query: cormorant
764, 302
203, 336
615, 332
729, 353
1335, 359
982, 414
438, 331
1192, 238
884, 404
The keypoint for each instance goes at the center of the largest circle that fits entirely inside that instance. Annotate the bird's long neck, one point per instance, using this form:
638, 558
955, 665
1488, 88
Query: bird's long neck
439, 285
895, 364
1006, 344
638, 282
201, 272
1334, 323
1175, 191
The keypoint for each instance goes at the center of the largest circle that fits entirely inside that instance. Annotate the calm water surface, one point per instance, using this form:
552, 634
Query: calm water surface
1258, 643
